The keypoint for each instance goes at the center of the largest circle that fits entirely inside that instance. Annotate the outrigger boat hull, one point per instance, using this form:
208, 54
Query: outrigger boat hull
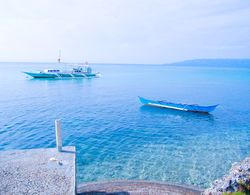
177, 106
41, 75
58, 75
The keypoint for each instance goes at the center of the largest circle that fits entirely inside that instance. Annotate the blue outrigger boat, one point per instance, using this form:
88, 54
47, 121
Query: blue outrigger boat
178, 106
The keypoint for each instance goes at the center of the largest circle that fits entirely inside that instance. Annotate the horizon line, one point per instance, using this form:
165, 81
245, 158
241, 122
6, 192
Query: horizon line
120, 63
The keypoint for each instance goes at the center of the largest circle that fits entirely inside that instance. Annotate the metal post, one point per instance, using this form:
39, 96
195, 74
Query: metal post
58, 135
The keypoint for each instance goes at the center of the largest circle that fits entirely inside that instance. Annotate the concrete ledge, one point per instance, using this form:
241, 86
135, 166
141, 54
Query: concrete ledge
135, 188
38, 171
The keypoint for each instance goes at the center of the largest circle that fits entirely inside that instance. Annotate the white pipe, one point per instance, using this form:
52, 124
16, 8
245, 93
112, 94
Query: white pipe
58, 135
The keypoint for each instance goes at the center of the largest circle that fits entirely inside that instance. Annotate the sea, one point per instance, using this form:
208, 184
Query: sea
116, 137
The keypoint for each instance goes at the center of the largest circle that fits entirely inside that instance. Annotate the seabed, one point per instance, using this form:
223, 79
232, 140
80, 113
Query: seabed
48, 171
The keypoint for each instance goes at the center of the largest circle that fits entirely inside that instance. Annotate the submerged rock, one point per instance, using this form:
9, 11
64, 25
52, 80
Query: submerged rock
238, 179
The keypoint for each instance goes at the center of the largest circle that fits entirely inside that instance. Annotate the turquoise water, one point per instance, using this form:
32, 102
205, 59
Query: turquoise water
116, 137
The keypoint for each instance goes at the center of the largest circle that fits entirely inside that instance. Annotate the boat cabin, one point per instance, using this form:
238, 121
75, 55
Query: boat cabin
51, 70
82, 69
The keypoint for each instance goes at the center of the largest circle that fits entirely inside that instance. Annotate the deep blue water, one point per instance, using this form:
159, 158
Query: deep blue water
116, 137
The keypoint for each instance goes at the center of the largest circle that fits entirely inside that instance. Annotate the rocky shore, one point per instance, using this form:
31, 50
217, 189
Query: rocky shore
238, 180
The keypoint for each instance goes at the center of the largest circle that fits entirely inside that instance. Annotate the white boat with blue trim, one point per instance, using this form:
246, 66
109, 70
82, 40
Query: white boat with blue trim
178, 106
79, 71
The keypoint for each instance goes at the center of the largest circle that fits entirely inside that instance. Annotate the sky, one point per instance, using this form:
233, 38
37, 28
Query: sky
123, 31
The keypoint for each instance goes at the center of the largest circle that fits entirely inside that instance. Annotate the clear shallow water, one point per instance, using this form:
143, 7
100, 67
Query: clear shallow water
116, 137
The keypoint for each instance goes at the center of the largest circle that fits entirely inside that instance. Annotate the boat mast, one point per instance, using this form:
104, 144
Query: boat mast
59, 57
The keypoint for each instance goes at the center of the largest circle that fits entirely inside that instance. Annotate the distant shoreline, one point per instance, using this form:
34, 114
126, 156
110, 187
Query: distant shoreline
195, 62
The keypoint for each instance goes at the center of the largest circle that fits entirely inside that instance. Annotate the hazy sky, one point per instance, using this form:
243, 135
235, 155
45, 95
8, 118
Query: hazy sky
125, 31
